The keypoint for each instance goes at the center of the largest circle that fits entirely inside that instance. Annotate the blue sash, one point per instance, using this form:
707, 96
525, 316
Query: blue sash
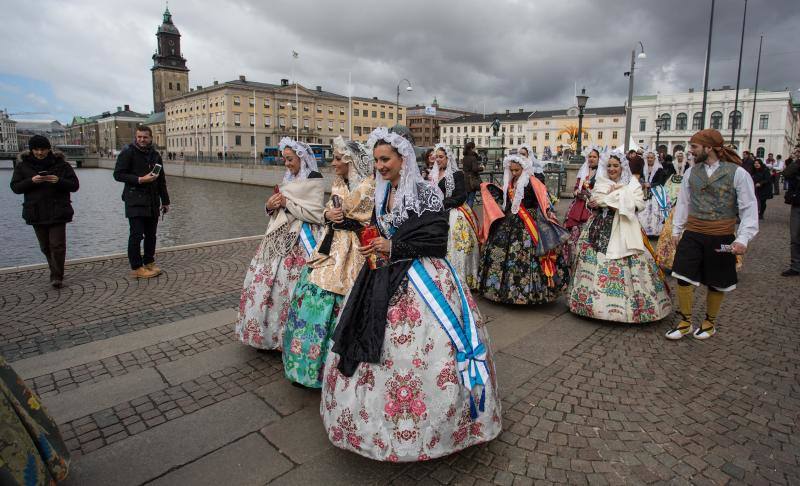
470, 351
307, 239
660, 195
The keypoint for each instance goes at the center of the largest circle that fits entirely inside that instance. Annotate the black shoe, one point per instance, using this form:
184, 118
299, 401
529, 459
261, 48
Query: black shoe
57, 284
790, 273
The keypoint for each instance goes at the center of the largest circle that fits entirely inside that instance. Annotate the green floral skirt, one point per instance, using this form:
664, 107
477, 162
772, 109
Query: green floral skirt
309, 327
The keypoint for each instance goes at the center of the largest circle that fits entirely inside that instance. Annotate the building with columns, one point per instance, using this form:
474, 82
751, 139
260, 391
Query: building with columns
775, 124
545, 130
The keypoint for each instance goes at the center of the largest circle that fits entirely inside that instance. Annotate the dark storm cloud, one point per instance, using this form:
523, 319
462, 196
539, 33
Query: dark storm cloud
504, 54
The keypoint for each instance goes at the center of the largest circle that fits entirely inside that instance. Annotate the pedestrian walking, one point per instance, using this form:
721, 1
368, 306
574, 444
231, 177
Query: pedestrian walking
46, 179
792, 197
777, 169
762, 180
140, 167
713, 193
472, 168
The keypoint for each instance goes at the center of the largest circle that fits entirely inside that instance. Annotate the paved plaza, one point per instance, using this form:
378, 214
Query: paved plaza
149, 385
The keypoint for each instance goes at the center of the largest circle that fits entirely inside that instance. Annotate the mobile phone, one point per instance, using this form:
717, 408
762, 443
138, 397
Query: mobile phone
725, 249
156, 169
337, 201
44, 173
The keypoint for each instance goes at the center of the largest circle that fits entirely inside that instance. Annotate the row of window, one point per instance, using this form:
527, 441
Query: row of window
188, 142
457, 129
734, 119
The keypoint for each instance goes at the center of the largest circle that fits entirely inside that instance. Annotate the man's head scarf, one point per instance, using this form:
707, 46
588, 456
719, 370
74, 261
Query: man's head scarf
712, 138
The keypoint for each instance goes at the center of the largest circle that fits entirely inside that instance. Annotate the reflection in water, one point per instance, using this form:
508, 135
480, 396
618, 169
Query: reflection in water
201, 211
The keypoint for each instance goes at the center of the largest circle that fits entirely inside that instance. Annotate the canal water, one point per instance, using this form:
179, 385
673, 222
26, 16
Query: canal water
201, 211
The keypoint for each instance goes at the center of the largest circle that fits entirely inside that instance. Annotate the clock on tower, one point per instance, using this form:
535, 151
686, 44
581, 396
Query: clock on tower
170, 74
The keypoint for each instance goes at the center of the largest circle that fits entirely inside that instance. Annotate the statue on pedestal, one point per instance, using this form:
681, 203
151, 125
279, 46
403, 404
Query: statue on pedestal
495, 126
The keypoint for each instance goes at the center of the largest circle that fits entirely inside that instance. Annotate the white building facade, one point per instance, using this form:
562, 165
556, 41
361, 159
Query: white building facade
774, 125
8, 133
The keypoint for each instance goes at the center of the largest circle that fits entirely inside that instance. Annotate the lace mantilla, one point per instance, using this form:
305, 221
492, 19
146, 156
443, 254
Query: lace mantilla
359, 160
308, 163
452, 167
536, 164
522, 181
583, 173
602, 167
413, 193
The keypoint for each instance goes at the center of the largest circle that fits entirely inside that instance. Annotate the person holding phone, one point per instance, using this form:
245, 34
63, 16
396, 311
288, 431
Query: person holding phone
140, 167
46, 180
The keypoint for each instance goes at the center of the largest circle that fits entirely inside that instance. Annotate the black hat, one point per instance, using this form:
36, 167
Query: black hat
39, 142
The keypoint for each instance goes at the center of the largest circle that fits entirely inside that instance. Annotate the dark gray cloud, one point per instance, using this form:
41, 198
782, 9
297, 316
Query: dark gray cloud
504, 54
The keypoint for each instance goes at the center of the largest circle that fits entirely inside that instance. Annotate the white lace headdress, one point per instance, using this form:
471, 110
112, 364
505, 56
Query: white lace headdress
413, 193
538, 165
308, 163
583, 173
679, 166
360, 163
522, 182
452, 167
649, 174
602, 166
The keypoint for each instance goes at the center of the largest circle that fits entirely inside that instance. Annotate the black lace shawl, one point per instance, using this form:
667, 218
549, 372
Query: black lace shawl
359, 334
459, 195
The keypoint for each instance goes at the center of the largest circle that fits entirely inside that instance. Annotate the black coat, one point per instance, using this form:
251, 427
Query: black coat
762, 180
472, 172
660, 177
45, 203
141, 200
459, 195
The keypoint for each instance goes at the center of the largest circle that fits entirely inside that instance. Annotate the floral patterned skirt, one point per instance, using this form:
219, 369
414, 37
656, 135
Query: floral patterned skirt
411, 406
665, 249
463, 251
627, 289
32, 451
306, 339
571, 248
510, 270
266, 297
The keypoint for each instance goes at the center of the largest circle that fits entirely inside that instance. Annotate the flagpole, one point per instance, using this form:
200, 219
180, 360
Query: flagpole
296, 102
255, 140
350, 103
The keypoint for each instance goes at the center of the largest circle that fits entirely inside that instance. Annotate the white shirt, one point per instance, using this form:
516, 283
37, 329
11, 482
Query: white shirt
780, 165
745, 199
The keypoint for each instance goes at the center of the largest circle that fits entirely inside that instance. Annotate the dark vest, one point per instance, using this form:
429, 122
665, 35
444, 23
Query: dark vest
713, 198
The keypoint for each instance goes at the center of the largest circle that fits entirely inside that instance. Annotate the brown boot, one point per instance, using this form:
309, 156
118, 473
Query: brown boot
143, 272
153, 268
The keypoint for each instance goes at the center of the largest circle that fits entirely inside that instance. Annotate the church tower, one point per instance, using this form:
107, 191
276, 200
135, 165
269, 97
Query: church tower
170, 74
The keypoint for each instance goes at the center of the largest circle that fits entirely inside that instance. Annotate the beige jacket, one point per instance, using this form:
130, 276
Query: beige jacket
626, 232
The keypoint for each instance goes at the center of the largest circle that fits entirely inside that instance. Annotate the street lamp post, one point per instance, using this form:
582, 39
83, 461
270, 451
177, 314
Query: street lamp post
397, 103
629, 110
582, 99
659, 125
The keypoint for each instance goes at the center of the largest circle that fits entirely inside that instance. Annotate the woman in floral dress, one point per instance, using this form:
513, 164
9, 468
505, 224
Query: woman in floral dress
332, 269
656, 205
578, 214
411, 375
665, 249
462, 243
295, 212
616, 277
523, 261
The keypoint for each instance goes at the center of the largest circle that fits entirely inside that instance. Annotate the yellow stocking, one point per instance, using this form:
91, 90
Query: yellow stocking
685, 301
713, 303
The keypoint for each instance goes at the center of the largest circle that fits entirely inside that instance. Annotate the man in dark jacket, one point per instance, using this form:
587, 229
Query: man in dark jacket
792, 196
146, 197
46, 179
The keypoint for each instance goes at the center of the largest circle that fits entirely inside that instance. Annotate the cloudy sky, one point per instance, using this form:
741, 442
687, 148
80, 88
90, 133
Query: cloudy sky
82, 57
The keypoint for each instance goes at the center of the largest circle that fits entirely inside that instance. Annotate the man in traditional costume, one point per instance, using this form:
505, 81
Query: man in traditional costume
713, 193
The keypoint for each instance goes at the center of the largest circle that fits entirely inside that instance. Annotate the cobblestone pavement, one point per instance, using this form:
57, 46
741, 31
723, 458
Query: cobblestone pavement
622, 406
101, 300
